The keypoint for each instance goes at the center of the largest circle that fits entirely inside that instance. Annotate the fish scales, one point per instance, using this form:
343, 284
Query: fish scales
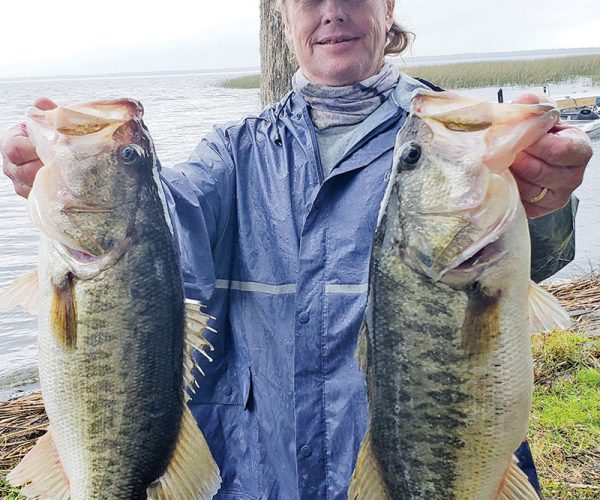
442, 406
126, 351
445, 344
114, 326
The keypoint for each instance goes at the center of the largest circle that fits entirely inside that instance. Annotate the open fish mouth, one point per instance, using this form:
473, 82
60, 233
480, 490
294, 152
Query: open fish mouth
96, 121
78, 255
487, 249
96, 209
470, 270
479, 256
85, 265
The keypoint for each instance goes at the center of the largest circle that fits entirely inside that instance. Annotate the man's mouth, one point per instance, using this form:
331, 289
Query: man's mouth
332, 40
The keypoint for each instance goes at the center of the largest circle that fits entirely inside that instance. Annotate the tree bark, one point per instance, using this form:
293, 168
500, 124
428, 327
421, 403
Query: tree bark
277, 62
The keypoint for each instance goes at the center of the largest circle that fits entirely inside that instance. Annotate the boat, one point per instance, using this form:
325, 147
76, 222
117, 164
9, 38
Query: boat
581, 112
586, 119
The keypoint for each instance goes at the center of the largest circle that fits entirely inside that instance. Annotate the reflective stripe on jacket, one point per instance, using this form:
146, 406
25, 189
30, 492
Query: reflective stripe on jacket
281, 257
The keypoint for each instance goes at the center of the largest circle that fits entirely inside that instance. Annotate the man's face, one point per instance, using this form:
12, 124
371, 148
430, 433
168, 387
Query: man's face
338, 42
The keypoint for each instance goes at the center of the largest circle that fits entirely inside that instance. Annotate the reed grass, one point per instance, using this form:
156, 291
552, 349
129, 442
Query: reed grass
530, 72
533, 72
565, 420
243, 82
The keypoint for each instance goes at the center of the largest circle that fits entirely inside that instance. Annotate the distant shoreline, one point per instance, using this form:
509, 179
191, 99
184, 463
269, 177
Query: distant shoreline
144, 74
486, 73
404, 60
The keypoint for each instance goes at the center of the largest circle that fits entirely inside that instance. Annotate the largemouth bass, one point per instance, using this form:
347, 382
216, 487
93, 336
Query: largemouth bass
445, 343
115, 335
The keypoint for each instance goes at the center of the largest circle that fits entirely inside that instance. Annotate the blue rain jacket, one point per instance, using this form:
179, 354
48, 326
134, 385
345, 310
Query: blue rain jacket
281, 257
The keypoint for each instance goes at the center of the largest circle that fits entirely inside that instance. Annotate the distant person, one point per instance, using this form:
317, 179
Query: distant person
275, 218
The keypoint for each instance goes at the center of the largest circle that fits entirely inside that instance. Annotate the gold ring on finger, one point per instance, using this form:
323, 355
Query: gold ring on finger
540, 196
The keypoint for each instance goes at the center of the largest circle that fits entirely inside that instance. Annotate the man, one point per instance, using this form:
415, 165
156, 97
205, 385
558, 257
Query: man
275, 218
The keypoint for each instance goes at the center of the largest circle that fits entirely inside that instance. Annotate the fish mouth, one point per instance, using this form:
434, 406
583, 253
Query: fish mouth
78, 255
469, 265
482, 251
470, 269
485, 251
95, 209
95, 121
87, 266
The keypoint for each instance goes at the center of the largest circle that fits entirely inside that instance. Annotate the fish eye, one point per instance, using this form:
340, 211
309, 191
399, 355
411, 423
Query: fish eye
132, 154
410, 156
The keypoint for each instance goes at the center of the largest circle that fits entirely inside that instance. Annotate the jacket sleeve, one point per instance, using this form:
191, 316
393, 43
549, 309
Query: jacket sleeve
552, 241
199, 195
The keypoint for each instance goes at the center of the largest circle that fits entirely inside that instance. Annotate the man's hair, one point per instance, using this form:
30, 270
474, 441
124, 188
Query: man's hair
398, 38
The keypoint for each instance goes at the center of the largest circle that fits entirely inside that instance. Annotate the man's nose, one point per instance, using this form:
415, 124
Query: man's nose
334, 11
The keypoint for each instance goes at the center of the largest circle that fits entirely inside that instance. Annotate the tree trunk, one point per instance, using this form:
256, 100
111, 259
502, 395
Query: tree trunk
277, 62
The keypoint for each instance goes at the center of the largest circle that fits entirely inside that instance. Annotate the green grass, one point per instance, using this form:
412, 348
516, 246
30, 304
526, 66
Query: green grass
243, 82
534, 72
565, 422
6, 490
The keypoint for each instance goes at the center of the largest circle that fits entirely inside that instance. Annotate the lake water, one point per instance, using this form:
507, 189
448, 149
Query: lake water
179, 110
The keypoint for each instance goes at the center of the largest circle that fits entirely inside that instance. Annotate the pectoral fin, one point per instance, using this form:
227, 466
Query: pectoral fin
22, 292
515, 485
63, 312
367, 480
192, 472
41, 473
545, 312
481, 326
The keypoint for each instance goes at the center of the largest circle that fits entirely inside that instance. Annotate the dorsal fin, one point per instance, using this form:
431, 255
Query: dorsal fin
192, 472
196, 326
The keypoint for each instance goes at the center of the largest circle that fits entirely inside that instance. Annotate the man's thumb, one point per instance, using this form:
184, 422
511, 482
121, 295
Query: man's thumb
44, 103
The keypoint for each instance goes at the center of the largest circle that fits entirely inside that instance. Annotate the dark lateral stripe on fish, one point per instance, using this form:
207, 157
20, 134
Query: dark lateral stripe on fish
63, 312
418, 414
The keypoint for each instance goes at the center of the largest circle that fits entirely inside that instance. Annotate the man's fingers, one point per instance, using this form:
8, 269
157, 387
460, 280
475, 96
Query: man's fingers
563, 147
44, 103
532, 170
19, 150
22, 189
528, 98
20, 159
24, 173
552, 199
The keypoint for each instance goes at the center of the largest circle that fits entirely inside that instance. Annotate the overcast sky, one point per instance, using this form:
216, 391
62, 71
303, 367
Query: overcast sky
108, 36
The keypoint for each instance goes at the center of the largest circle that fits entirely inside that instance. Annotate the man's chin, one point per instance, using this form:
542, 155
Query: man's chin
338, 73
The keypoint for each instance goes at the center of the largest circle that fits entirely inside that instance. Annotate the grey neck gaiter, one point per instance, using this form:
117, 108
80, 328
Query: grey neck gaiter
347, 105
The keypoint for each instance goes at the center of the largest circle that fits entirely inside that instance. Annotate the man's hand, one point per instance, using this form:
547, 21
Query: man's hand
21, 161
549, 170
